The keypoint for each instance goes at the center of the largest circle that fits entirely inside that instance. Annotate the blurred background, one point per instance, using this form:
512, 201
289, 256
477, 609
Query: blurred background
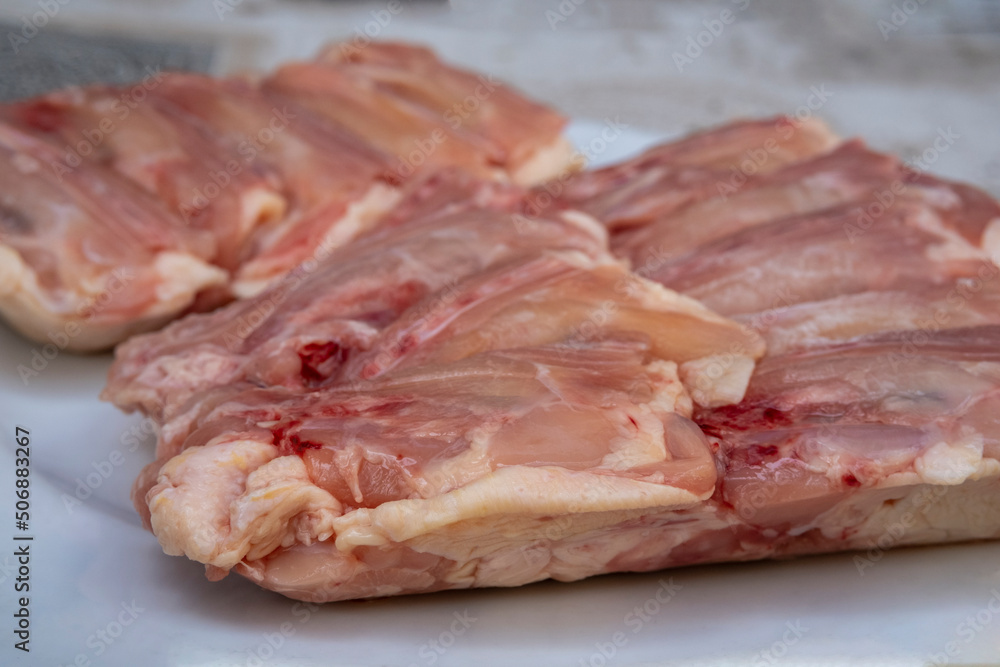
901, 73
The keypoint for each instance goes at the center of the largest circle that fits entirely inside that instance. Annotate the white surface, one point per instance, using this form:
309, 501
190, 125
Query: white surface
89, 561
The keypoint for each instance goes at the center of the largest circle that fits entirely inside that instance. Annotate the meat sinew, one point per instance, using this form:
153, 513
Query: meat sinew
119, 213
487, 409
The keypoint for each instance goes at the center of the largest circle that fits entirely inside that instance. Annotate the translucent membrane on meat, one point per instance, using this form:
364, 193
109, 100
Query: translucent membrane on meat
812, 258
599, 405
511, 306
968, 301
518, 130
846, 174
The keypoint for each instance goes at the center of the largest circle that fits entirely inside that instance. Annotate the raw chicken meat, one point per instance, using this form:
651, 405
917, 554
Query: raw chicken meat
405, 101
849, 173
671, 176
334, 184
475, 392
881, 415
86, 257
163, 153
199, 190
811, 258
425, 425
872, 422
325, 312
967, 302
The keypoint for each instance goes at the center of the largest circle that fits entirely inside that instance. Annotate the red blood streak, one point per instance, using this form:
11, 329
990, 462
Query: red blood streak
291, 443
315, 355
851, 480
41, 115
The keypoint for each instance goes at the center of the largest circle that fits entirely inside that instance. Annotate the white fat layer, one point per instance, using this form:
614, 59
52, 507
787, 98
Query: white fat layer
260, 206
717, 380
953, 246
914, 514
13, 273
513, 549
237, 499
546, 163
182, 276
951, 463
646, 446
508, 491
47, 315
587, 224
257, 274
669, 393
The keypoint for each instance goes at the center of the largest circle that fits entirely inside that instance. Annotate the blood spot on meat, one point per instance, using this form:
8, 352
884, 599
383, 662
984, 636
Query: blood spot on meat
319, 360
406, 344
41, 115
755, 455
291, 443
299, 445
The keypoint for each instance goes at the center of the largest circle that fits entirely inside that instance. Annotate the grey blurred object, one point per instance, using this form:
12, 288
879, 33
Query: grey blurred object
35, 60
